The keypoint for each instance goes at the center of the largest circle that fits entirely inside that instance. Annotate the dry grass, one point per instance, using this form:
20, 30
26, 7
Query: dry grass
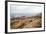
27, 22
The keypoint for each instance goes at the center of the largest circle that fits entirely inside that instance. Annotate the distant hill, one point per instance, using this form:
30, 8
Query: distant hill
24, 17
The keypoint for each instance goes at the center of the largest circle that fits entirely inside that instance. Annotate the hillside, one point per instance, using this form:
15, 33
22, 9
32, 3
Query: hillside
26, 22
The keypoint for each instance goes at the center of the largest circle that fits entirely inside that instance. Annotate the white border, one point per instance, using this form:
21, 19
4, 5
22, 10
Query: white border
29, 29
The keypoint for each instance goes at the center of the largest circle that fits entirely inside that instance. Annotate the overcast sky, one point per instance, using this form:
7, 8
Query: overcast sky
25, 10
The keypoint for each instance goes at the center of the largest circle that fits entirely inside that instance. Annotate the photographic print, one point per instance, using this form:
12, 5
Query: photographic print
25, 17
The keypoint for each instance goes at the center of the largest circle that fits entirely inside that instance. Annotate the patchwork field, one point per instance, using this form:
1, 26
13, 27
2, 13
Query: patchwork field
26, 22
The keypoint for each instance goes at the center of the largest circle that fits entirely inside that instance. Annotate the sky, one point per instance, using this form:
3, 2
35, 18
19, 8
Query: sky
21, 10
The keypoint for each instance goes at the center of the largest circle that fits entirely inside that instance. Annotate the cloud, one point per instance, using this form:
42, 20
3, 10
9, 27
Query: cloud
33, 10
